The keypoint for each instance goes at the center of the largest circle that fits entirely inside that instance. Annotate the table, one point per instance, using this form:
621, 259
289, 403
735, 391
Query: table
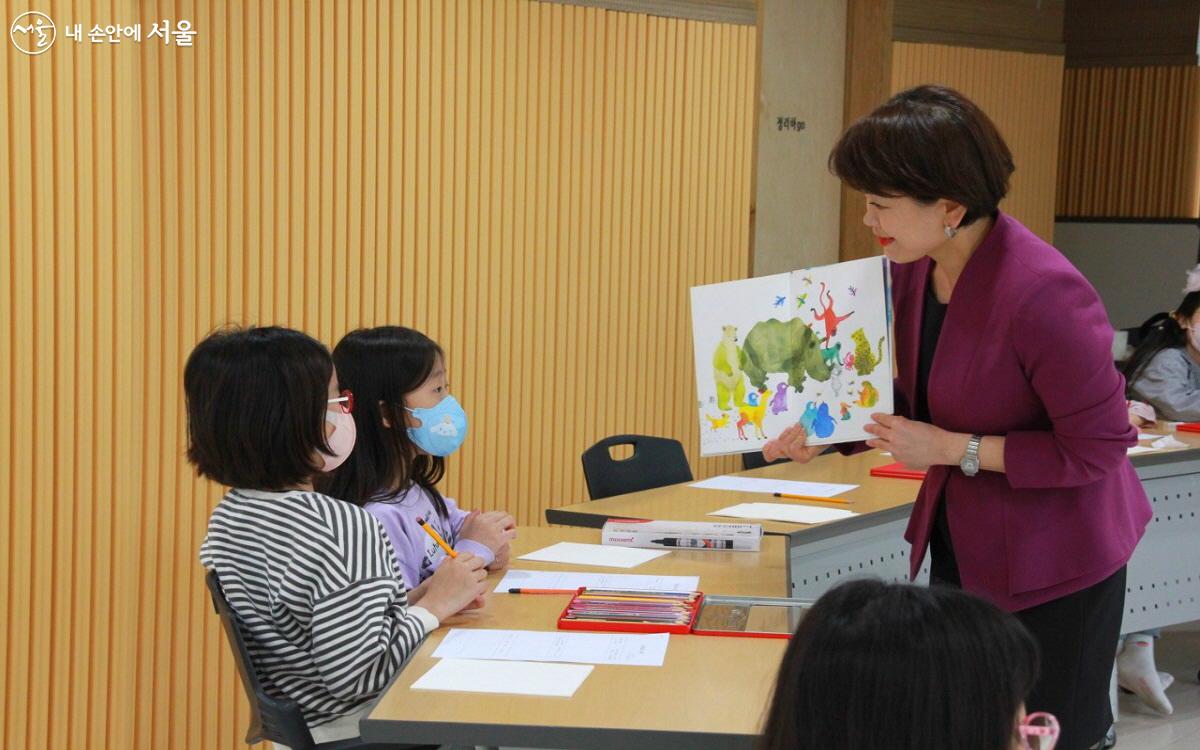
1163, 582
710, 693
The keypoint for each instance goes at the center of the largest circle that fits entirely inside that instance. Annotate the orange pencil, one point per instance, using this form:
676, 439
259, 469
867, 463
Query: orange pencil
436, 537
812, 497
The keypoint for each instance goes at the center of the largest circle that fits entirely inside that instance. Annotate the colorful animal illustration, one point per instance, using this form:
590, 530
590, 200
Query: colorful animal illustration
728, 361
817, 420
779, 300
717, 422
827, 315
868, 396
779, 402
845, 411
802, 300
853, 292
807, 280
864, 361
809, 418
824, 425
849, 361
831, 354
791, 348
752, 413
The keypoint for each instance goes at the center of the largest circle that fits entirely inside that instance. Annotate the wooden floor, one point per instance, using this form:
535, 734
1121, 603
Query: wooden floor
1139, 728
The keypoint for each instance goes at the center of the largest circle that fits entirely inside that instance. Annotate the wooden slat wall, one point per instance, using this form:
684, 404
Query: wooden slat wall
1022, 93
534, 185
1130, 143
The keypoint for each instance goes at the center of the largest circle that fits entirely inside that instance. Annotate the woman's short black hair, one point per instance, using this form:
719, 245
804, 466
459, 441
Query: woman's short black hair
380, 366
878, 665
927, 143
256, 401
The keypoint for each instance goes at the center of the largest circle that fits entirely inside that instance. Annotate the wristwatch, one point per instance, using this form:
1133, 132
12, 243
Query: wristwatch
970, 460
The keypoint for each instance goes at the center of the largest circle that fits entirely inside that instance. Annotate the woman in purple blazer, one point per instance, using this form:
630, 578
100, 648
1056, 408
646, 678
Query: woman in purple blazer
1005, 391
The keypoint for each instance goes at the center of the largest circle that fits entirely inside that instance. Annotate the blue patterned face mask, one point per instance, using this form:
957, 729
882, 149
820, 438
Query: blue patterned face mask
443, 427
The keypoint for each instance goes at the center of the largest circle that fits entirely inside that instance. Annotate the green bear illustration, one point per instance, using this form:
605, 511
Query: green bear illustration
728, 361
792, 347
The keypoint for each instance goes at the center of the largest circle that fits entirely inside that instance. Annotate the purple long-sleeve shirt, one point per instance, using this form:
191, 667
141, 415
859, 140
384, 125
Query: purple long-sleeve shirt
416, 552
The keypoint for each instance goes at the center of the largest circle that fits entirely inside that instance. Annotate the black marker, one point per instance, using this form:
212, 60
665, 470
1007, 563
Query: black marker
695, 541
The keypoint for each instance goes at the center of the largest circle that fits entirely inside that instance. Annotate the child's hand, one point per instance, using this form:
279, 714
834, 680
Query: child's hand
505, 519
503, 555
493, 529
455, 585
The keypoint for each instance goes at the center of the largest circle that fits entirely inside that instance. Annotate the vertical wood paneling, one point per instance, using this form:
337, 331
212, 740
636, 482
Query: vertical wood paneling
1021, 93
1130, 142
535, 185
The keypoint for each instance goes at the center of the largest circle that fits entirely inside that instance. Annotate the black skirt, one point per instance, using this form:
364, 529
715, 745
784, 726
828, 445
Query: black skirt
1077, 635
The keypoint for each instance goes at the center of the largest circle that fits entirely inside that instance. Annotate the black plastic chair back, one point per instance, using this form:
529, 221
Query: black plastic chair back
755, 460
656, 462
270, 718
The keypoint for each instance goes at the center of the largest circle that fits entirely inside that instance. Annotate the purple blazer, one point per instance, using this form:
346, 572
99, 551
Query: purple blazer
1024, 352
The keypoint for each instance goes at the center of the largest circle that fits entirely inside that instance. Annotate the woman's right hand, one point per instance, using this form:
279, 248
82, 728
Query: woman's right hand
456, 583
791, 443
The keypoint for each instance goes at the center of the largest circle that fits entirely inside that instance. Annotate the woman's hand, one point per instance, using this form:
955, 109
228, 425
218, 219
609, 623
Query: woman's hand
791, 443
917, 445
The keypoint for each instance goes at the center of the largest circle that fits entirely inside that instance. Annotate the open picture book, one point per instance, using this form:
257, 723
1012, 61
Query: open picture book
812, 346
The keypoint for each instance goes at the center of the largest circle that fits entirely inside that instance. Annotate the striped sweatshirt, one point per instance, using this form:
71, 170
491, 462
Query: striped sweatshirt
320, 600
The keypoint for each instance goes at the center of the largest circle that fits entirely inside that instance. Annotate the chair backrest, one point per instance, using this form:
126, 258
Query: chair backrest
755, 460
270, 718
655, 462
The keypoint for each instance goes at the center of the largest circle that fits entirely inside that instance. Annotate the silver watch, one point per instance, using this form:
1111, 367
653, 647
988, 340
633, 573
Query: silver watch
970, 460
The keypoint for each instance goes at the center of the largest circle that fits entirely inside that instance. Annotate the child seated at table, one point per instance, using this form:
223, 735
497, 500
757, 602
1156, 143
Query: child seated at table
408, 423
878, 665
319, 600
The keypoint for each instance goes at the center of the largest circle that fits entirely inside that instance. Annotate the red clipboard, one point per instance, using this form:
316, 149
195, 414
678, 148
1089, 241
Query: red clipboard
897, 471
1188, 427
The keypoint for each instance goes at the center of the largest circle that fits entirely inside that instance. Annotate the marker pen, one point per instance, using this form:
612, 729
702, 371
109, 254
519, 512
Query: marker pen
695, 542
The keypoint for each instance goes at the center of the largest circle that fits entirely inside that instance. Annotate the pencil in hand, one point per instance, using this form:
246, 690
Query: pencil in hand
436, 537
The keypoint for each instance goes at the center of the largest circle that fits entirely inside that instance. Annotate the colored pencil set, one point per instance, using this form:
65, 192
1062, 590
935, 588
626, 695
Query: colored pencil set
638, 611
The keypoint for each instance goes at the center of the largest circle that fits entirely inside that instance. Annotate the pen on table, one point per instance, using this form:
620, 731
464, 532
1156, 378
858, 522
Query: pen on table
436, 537
790, 496
542, 591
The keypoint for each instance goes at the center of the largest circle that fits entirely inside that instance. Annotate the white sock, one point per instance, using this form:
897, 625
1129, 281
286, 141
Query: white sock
1136, 672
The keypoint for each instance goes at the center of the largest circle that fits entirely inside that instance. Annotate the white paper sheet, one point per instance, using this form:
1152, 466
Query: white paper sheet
516, 677
1139, 449
542, 579
629, 649
594, 554
756, 484
783, 512
1148, 436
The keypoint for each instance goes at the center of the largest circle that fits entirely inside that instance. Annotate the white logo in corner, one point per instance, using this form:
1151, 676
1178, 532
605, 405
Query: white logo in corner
32, 32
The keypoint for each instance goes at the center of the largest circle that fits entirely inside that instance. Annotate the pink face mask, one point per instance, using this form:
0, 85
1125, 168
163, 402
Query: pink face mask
341, 442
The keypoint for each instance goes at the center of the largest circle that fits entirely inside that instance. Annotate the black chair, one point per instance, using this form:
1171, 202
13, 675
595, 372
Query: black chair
272, 718
655, 462
755, 460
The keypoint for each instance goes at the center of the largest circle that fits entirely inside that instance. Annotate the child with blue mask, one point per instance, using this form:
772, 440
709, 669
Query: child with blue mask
407, 425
